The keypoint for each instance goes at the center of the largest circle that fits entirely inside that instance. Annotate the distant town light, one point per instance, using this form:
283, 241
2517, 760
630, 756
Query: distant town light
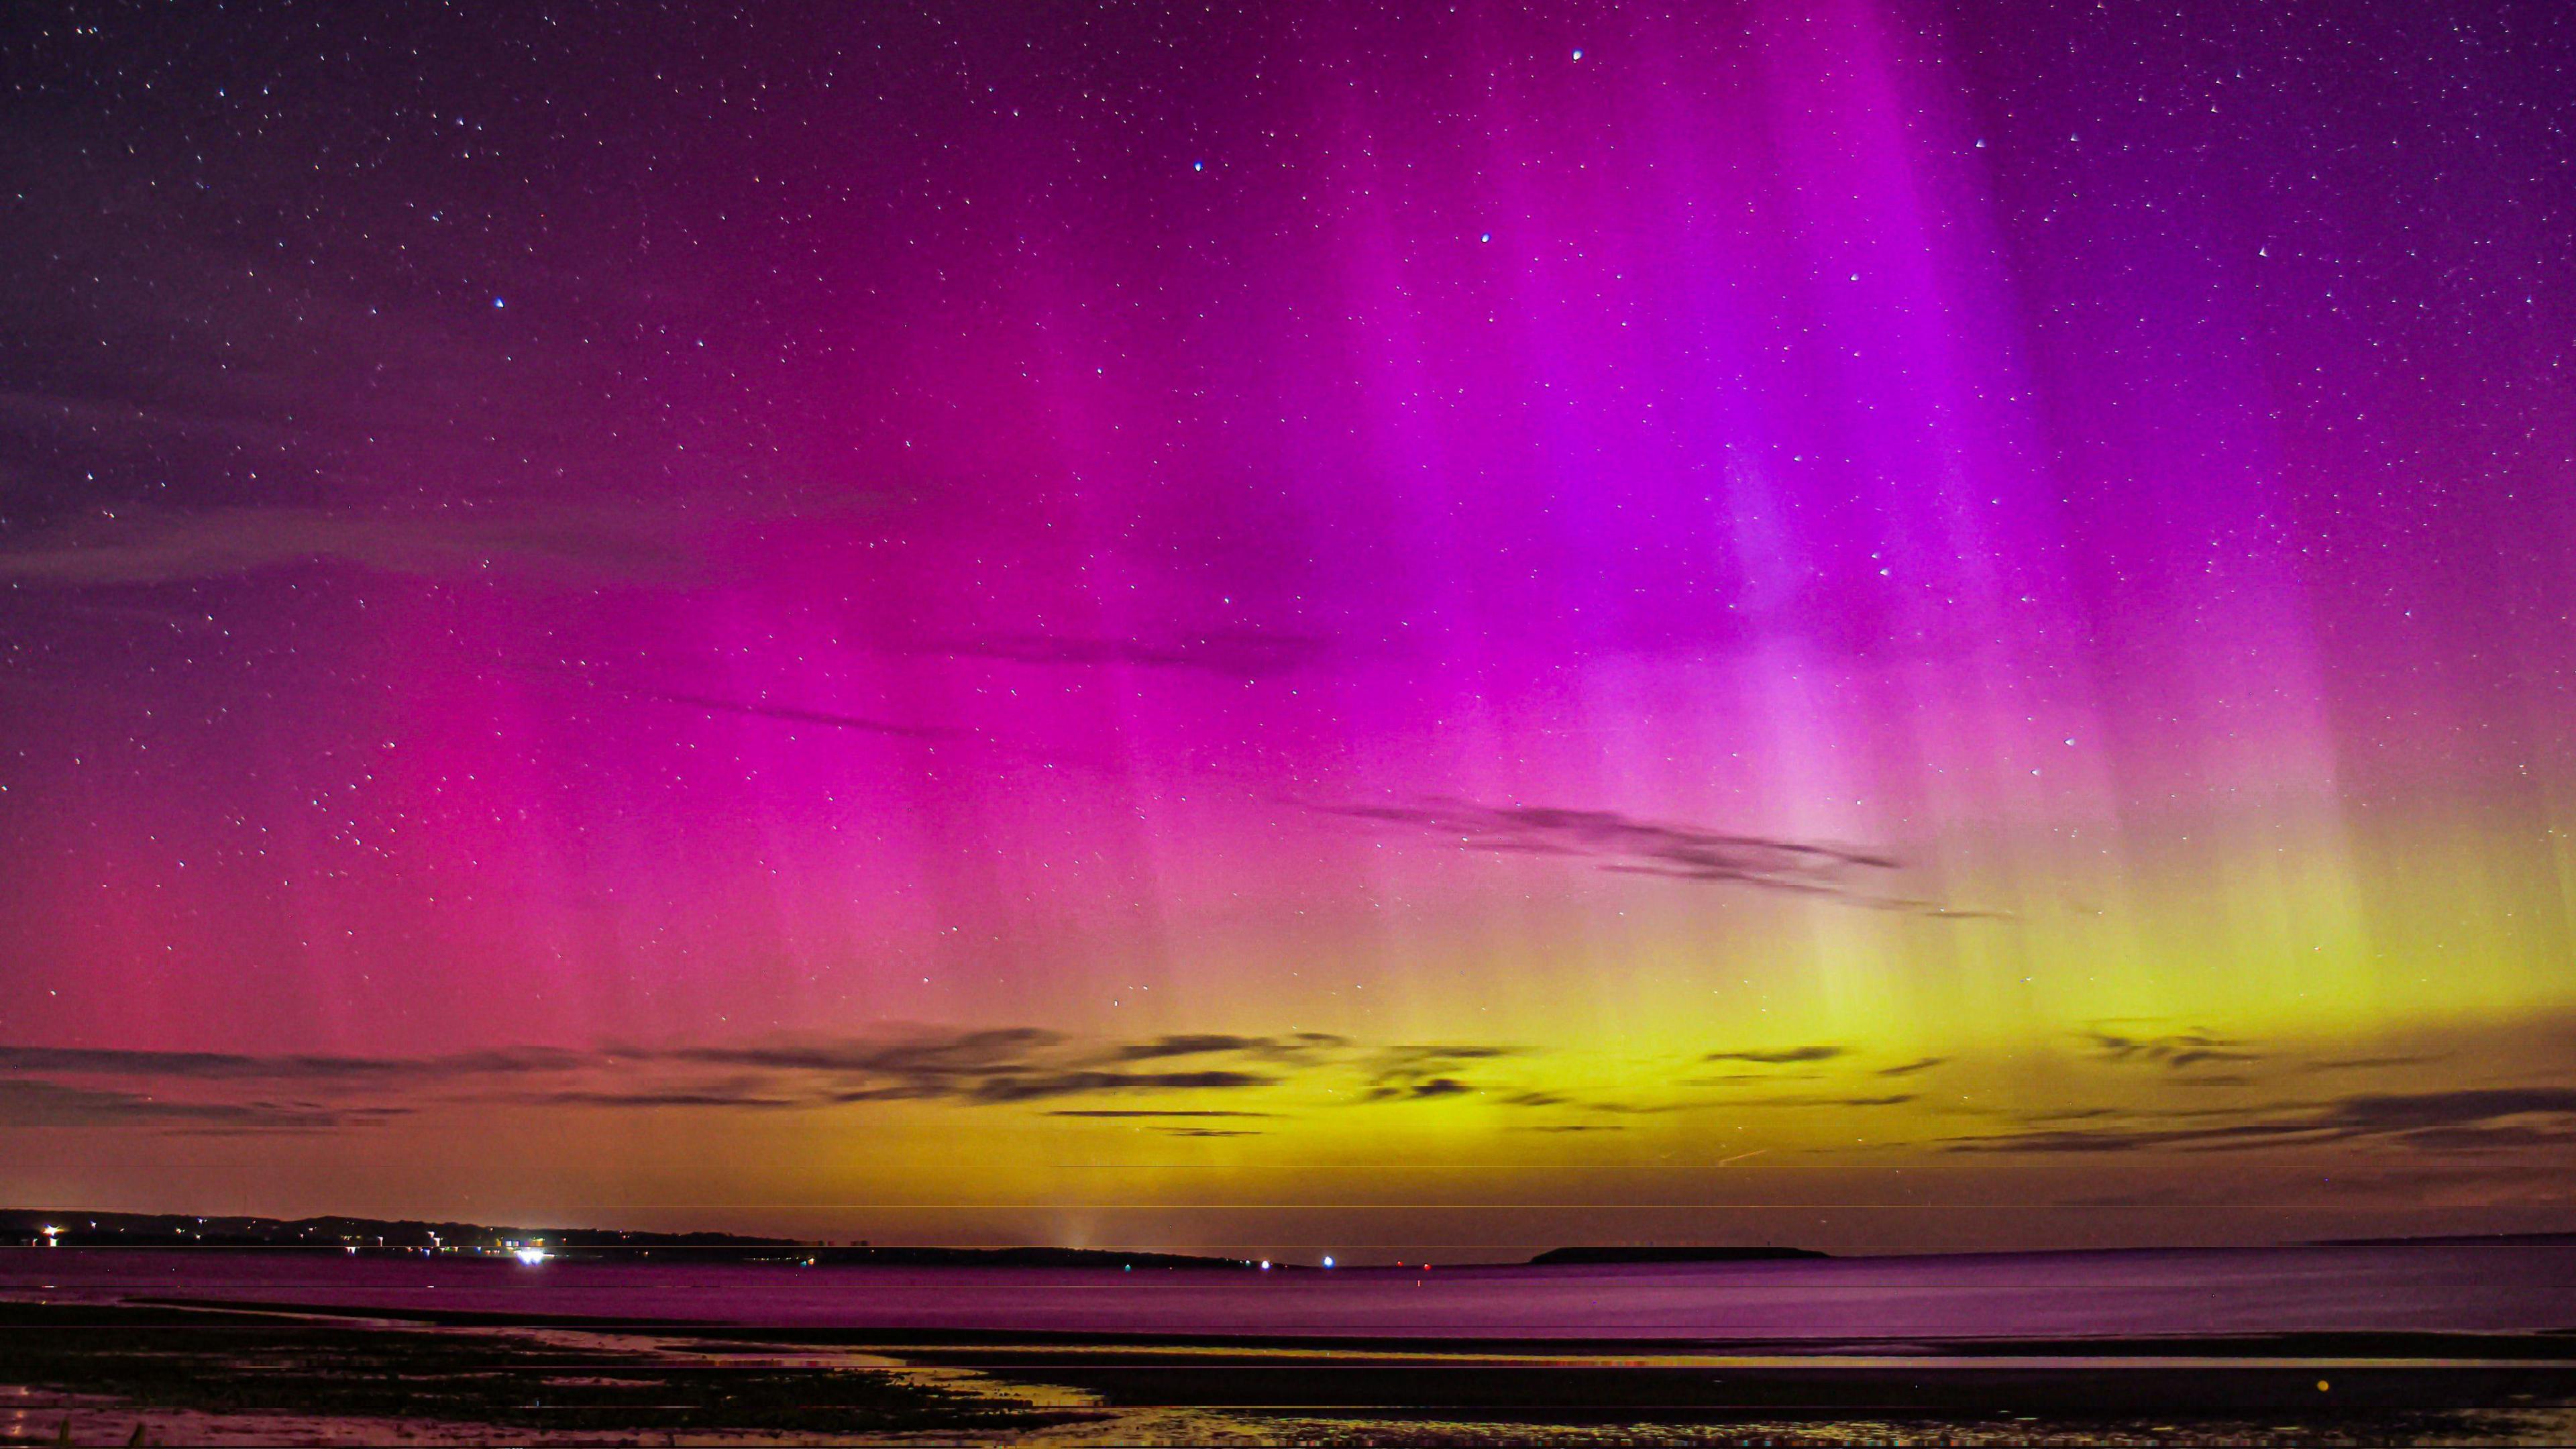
1328, 1262
531, 1256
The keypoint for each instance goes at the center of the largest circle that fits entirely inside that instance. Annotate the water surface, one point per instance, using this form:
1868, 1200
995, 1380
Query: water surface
2039, 1295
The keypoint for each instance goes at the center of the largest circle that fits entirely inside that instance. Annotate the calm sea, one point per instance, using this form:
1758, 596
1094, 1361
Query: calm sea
2198, 1291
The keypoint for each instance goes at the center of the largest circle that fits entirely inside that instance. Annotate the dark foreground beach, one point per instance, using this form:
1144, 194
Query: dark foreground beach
2368, 1345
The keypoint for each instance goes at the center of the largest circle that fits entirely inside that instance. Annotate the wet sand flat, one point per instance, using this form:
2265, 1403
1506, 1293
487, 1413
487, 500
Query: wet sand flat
279, 1375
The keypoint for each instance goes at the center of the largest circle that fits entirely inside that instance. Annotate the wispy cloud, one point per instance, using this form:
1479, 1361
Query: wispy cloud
928, 1053
990, 1068
1630, 846
1782, 1057
1422, 1073
1642, 1109
1021, 1064
1297, 1046
36, 1103
1907, 1069
1074, 1084
2176, 1051
228, 1066
2475, 1119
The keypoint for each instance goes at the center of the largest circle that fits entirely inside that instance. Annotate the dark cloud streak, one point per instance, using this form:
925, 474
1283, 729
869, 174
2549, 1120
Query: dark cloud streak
2177, 1051
226, 1066
1780, 1058
1629, 846
972, 1068
2467, 1120
34, 1103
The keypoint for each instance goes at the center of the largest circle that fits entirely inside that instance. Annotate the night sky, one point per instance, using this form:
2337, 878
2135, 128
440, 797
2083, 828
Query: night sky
1382, 627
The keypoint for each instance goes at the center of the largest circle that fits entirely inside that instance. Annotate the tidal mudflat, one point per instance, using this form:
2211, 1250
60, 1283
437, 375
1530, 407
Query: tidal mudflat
293, 1348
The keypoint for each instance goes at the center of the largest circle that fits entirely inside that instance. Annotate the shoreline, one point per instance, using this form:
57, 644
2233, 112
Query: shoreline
138, 1371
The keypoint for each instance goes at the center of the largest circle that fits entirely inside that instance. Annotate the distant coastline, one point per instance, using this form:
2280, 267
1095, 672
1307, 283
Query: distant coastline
180, 1230
1569, 1257
28, 1228
79, 1229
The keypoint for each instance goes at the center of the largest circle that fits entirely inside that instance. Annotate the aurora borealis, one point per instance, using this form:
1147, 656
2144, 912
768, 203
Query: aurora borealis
1418, 627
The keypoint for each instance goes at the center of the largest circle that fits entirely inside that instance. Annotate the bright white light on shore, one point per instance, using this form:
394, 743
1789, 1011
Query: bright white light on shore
530, 1256
1265, 1265
1328, 1262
